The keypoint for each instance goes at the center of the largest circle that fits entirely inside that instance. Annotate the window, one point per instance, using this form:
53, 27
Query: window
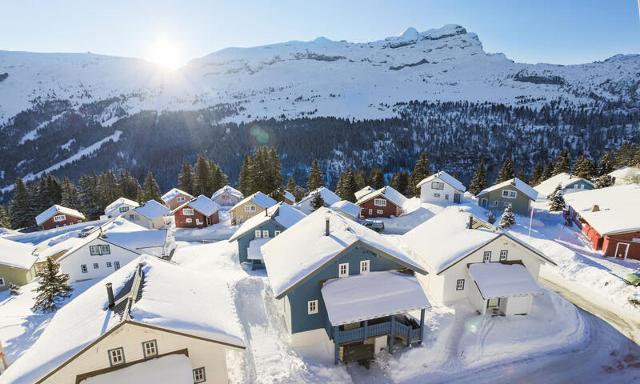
370, 211
199, 375
188, 220
437, 185
487, 257
503, 255
258, 234
343, 270
187, 211
379, 211
446, 196
108, 264
380, 202
150, 348
436, 195
96, 266
100, 249
116, 356
132, 217
364, 266
460, 285
1, 282
276, 233
123, 209
509, 194
83, 268
495, 203
180, 199
265, 234
116, 265
249, 208
198, 222
312, 307
58, 218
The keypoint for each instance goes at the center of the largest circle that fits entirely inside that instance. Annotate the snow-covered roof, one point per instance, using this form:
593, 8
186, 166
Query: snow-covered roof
171, 297
348, 208
174, 369
372, 295
55, 209
254, 252
503, 280
447, 178
282, 213
328, 196
121, 201
515, 183
301, 250
152, 209
625, 173
227, 189
202, 204
387, 192
14, 254
363, 192
257, 198
289, 196
173, 192
619, 208
563, 180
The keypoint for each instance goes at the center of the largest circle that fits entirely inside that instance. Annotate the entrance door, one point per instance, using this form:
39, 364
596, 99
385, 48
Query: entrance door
456, 198
621, 250
483, 203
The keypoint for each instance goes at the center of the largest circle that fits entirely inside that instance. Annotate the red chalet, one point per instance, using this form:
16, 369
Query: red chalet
197, 213
58, 216
609, 218
384, 202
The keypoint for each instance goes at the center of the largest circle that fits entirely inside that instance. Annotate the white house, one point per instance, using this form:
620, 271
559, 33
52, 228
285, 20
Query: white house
119, 207
227, 196
152, 215
328, 196
470, 259
149, 322
441, 188
568, 184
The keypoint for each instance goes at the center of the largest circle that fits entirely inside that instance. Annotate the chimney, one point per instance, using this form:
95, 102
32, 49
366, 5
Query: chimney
112, 300
326, 226
265, 212
470, 221
595, 208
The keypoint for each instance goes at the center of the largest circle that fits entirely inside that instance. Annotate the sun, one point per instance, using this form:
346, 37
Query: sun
166, 53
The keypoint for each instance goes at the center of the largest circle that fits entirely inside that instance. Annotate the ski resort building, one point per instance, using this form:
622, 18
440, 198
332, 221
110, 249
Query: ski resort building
58, 216
227, 196
345, 287
327, 195
151, 215
609, 218
17, 263
567, 183
149, 322
469, 259
175, 198
385, 202
120, 207
261, 228
250, 206
441, 188
514, 193
197, 213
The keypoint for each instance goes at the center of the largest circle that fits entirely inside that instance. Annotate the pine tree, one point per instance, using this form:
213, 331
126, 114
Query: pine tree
246, 176
507, 171
317, 201
548, 172
604, 181
69, 196
53, 288
87, 193
562, 163
420, 172
536, 177
129, 186
584, 168
274, 172
315, 179
185, 179
478, 182
377, 178
556, 200
508, 218
400, 182
291, 184
150, 188
347, 186
605, 165
361, 178
5, 221
20, 207
202, 181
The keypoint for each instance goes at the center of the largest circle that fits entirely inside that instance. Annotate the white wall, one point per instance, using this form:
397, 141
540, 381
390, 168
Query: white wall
71, 264
428, 195
519, 305
115, 211
157, 223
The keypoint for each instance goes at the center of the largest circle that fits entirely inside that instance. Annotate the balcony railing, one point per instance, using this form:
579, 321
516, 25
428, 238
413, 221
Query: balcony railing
405, 328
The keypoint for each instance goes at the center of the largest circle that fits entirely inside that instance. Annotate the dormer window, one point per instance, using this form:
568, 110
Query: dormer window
59, 218
437, 185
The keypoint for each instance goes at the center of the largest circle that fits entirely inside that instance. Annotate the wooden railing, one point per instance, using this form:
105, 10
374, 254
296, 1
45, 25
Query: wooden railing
407, 332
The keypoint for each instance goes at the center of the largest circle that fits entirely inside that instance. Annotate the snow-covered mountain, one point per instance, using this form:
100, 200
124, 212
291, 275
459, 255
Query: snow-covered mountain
319, 78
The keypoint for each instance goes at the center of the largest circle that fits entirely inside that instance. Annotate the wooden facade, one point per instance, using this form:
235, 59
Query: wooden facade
373, 208
195, 220
60, 220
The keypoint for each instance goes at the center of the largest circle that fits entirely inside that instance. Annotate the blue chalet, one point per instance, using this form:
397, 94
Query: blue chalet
262, 227
345, 288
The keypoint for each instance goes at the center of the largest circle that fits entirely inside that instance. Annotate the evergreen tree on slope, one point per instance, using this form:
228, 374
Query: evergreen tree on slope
150, 188
420, 172
556, 200
5, 221
506, 172
53, 288
478, 182
185, 178
377, 178
315, 179
20, 207
508, 218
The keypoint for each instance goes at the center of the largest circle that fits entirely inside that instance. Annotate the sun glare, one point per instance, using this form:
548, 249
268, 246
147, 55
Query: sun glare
166, 53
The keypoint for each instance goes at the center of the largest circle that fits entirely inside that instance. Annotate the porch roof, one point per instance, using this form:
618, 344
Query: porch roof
372, 295
503, 280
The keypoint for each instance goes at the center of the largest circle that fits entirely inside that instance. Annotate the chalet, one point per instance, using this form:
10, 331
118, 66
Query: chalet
347, 209
363, 192
250, 206
17, 263
259, 229
385, 202
344, 288
101, 251
120, 207
567, 183
289, 198
197, 213
149, 322
626, 175
58, 216
328, 197
227, 196
441, 188
467, 258
175, 198
515, 193
151, 215
609, 218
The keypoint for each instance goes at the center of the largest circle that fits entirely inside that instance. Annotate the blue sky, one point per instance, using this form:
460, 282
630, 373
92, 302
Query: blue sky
560, 31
